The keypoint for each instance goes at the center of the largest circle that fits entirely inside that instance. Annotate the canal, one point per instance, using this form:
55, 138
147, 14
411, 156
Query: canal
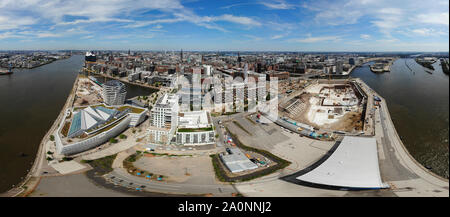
418, 102
30, 101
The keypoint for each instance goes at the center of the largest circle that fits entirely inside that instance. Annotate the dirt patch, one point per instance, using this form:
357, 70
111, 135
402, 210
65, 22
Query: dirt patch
178, 168
349, 123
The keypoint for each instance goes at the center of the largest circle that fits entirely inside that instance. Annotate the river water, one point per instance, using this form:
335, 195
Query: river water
30, 101
418, 103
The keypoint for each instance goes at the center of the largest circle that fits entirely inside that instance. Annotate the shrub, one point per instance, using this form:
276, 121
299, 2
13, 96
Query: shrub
132, 158
67, 158
103, 165
52, 138
122, 136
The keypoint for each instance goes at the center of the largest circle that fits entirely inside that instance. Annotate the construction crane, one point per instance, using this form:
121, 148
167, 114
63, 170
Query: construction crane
88, 69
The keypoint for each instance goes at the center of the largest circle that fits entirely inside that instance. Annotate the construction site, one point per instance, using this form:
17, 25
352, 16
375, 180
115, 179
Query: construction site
335, 105
87, 93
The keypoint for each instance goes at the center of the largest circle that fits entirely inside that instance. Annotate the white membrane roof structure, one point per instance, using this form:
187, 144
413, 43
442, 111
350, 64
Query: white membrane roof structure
87, 121
354, 164
89, 117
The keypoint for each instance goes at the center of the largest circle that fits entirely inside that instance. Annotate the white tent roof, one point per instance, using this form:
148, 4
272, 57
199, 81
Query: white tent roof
93, 112
353, 164
104, 115
87, 120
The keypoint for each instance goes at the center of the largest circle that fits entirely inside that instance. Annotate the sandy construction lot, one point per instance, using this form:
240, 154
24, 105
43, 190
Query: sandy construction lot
183, 169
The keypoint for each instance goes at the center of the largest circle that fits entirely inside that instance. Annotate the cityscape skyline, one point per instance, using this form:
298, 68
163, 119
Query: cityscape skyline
276, 25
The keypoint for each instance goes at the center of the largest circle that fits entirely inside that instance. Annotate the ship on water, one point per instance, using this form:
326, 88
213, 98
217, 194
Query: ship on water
6, 72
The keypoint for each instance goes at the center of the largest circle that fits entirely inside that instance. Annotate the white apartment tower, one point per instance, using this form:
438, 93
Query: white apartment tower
164, 119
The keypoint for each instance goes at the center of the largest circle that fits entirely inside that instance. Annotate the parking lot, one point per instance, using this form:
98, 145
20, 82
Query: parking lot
300, 151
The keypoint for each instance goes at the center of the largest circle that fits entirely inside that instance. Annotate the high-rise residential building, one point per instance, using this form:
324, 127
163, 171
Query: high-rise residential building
339, 67
239, 59
208, 69
164, 119
246, 72
114, 92
351, 61
165, 111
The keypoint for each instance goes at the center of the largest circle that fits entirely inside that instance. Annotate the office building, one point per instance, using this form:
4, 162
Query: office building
114, 92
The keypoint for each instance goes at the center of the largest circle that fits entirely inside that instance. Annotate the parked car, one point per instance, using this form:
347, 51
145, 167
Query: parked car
228, 150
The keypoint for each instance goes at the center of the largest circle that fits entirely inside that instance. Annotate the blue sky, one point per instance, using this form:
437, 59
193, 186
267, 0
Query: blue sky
254, 25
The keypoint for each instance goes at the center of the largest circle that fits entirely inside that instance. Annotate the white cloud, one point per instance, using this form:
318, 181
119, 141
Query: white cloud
277, 37
364, 36
272, 4
6, 35
151, 22
209, 22
237, 19
311, 39
277, 4
274, 37
149, 36
94, 20
434, 18
47, 35
254, 38
82, 12
386, 15
281, 26
40, 34
89, 11
423, 31
428, 32
14, 22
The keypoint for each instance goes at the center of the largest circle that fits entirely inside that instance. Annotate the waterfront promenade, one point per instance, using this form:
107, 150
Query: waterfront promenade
399, 169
